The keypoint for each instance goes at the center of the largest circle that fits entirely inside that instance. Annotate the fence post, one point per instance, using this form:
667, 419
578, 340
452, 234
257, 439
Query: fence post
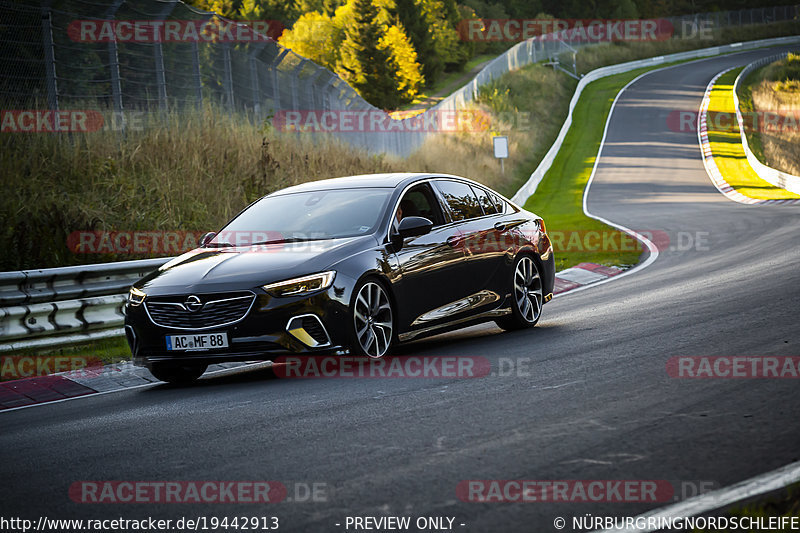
158, 56
296, 84
276, 92
254, 82
198, 80
228, 79
326, 94
113, 66
50, 59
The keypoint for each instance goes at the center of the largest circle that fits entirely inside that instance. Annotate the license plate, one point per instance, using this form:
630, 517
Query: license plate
200, 341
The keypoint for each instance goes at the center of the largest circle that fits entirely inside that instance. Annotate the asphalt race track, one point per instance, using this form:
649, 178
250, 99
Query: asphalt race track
589, 397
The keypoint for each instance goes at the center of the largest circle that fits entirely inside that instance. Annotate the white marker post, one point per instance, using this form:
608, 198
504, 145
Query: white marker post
501, 150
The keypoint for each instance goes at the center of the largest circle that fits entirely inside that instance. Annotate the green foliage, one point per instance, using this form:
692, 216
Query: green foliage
404, 59
366, 45
785, 73
408, 13
253, 9
363, 63
316, 36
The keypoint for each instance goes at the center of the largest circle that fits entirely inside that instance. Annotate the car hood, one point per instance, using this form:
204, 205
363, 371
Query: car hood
247, 267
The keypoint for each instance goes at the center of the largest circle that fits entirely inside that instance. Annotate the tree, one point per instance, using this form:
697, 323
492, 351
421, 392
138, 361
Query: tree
317, 37
409, 14
364, 64
404, 58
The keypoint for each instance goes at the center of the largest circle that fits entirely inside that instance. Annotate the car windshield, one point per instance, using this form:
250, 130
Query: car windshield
304, 216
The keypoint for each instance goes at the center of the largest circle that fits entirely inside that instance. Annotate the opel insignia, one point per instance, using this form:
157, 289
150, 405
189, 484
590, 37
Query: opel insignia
345, 265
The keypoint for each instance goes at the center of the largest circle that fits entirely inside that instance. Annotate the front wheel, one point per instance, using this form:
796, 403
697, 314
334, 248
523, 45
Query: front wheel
527, 293
177, 374
372, 320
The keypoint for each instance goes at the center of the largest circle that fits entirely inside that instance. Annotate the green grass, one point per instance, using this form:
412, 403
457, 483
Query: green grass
746, 105
728, 151
110, 350
559, 197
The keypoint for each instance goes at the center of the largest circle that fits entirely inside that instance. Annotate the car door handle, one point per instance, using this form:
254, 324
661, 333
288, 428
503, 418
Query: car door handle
500, 226
454, 241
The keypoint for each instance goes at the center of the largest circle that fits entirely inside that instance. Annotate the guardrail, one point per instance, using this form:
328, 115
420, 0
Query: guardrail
63, 305
771, 175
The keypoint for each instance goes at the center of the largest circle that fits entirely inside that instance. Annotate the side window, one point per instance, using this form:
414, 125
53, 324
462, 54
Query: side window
502, 206
489, 207
419, 201
461, 199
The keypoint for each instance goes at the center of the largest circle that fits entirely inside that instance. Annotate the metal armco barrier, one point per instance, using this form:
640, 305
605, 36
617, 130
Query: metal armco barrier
64, 305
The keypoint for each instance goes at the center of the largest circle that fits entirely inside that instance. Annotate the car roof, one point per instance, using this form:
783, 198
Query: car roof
389, 180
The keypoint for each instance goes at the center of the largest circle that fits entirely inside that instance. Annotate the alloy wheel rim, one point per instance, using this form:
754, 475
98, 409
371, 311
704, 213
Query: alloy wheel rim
528, 290
372, 315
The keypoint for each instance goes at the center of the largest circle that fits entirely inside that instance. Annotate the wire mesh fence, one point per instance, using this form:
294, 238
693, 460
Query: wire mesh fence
119, 57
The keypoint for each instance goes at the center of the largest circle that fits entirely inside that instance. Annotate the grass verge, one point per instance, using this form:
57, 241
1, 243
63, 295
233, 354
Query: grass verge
726, 146
559, 197
107, 351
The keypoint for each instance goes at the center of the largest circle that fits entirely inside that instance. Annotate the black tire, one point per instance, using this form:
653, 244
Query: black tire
372, 325
177, 374
527, 295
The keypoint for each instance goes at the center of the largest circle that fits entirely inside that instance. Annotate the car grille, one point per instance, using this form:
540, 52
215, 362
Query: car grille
217, 310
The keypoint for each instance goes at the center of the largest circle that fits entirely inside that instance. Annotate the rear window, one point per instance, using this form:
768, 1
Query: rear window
485, 201
460, 198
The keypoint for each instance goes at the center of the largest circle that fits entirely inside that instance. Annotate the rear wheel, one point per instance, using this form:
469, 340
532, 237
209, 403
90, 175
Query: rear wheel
372, 320
527, 295
175, 373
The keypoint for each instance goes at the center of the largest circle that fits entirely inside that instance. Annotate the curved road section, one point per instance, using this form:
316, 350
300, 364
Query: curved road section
583, 407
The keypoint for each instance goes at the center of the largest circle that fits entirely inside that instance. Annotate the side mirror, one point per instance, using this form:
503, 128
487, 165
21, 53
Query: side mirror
414, 227
205, 239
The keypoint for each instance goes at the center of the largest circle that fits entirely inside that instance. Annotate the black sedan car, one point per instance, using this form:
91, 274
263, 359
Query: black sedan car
346, 265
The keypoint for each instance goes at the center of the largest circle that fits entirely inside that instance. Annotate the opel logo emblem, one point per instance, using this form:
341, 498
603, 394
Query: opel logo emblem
193, 303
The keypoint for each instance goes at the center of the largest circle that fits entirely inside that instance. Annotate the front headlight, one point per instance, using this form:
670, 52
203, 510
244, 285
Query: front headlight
135, 296
301, 286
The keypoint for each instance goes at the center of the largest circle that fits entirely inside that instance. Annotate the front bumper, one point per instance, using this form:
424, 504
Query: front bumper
273, 326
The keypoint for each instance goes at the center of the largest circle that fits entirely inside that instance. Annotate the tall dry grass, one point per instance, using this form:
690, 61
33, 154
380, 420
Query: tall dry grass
184, 173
